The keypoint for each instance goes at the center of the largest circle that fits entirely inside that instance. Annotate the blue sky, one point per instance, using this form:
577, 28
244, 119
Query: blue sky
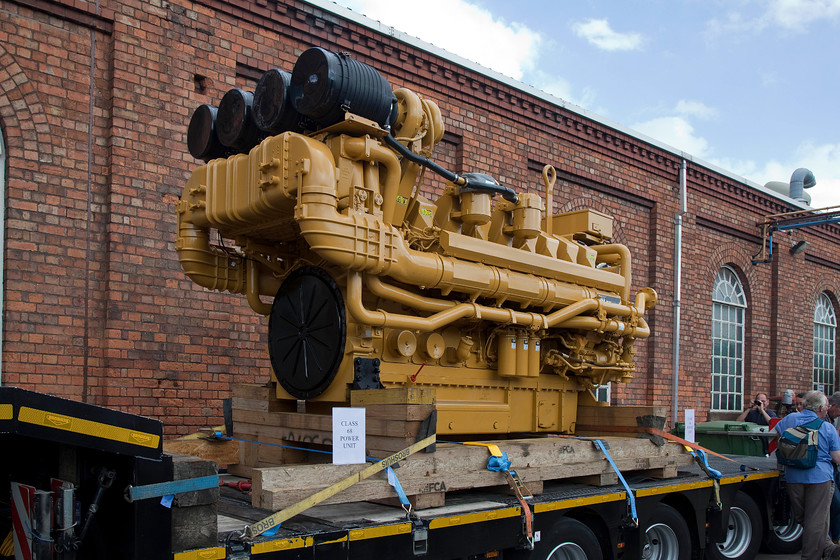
748, 85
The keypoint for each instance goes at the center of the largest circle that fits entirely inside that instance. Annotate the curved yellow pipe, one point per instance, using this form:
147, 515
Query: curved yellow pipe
447, 312
623, 254
205, 265
253, 290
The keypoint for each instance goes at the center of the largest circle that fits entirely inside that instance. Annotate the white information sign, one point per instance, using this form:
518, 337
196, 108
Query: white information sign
348, 436
689, 425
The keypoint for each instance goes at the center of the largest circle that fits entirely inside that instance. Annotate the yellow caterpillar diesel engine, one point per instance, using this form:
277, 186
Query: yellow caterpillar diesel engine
310, 193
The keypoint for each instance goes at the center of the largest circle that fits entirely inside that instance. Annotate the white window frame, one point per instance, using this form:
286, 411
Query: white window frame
603, 392
825, 351
729, 305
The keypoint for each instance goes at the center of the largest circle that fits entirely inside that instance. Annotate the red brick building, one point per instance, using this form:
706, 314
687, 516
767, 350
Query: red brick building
94, 106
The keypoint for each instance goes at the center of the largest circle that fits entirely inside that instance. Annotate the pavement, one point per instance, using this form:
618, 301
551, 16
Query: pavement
764, 556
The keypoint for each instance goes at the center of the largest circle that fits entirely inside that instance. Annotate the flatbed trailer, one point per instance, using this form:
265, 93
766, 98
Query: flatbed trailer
675, 518
108, 458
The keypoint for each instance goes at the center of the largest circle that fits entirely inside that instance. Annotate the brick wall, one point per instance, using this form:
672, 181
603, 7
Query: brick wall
94, 108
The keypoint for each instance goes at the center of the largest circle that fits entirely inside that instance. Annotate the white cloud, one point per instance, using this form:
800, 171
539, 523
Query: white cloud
599, 33
677, 132
797, 14
675, 129
790, 15
563, 89
696, 109
465, 29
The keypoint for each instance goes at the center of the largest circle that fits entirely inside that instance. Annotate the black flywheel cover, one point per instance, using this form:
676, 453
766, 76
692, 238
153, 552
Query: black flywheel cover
307, 329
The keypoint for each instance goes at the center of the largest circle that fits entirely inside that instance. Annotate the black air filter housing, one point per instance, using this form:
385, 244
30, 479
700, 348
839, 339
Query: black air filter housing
325, 85
273, 111
201, 134
235, 122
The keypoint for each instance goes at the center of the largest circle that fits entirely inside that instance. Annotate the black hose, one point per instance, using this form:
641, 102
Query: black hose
474, 182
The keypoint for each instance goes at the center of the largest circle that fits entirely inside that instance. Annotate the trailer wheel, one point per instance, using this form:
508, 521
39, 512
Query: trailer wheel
667, 537
743, 531
568, 539
783, 539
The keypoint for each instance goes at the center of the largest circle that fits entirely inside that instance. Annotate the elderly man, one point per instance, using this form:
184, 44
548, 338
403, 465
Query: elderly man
811, 490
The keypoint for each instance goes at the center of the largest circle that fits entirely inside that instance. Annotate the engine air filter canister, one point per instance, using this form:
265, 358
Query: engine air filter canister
202, 140
273, 111
235, 121
325, 85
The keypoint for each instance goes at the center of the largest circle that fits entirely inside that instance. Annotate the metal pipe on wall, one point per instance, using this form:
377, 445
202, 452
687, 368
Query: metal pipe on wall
677, 288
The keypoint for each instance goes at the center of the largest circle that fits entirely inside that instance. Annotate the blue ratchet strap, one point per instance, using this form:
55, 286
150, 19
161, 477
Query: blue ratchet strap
631, 497
499, 462
703, 462
495, 463
394, 481
701, 458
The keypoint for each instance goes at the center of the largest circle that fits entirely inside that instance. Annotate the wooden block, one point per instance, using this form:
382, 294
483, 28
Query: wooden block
252, 391
602, 479
377, 422
241, 470
260, 397
417, 501
397, 395
535, 487
412, 412
194, 514
185, 467
194, 527
221, 452
669, 471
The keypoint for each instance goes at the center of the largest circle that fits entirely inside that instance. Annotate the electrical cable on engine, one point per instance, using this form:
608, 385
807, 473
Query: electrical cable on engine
423, 161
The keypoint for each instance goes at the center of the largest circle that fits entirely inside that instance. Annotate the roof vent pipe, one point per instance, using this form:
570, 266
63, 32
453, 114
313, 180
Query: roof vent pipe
801, 179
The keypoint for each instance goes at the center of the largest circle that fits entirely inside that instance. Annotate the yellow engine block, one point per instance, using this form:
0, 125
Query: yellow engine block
509, 315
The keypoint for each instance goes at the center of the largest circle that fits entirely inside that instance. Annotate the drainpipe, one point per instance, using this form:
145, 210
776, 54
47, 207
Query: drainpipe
677, 280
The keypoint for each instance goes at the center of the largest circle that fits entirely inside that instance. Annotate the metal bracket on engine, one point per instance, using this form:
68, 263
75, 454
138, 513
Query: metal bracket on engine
366, 374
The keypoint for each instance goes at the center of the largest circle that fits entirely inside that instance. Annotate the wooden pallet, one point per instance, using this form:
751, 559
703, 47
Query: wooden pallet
393, 419
427, 477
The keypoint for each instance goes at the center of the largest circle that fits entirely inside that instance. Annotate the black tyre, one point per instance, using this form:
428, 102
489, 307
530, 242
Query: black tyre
783, 539
568, 539
306, 332
744, 532
667, 536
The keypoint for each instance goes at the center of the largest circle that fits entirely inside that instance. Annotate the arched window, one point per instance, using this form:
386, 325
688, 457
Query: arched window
825, 325
728, 306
